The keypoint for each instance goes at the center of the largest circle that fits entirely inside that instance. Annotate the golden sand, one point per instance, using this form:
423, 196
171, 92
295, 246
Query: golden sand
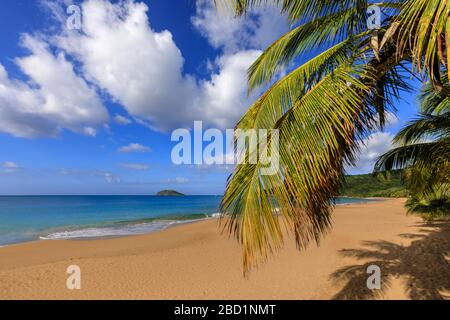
195, 262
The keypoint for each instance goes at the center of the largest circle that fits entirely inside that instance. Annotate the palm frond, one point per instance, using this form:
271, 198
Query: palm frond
433, 101
319, 126
388, 87
324, 107
296, 10
418, 154
317, 135
425, 30
423, 182
423, 127
293, 8
279, 98
430, 190
310, 36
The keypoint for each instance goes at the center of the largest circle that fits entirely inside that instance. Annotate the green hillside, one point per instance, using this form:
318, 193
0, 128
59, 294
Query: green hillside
367, 185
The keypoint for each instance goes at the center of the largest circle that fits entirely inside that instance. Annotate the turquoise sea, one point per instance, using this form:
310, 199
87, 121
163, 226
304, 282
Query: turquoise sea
27, 218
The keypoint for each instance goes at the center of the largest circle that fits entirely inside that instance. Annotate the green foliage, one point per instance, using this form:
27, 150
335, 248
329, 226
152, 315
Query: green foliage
430, 209
369, 185
424, 153
325, 107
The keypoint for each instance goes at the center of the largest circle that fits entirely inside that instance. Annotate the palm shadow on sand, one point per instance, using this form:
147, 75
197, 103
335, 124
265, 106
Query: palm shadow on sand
424, 263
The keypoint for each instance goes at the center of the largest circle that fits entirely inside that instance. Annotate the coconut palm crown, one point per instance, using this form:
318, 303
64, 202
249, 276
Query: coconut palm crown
324, 107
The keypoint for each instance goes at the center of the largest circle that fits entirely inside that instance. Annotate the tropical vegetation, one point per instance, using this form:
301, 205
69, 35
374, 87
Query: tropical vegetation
324, 106
424, 151
387, 185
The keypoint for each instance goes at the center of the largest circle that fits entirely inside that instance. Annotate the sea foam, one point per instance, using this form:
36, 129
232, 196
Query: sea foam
125, 230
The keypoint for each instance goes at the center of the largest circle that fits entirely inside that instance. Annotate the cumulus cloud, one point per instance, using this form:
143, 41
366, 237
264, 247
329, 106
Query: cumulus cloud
134, 147
257, 30
139, 67
54, 99
117, 52
135, 166
224, 97
370, 149
143, 69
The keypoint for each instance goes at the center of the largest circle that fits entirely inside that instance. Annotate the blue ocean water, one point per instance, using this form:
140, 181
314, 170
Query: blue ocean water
27, 218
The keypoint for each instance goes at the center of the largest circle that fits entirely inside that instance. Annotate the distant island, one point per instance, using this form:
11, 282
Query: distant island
368, 185
166, 193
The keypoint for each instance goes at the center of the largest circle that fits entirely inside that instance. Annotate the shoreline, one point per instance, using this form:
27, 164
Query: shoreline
170, 224
195, 261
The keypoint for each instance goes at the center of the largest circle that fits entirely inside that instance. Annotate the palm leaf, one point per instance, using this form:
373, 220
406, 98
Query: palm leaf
419, 154
433, 101
317, 135
423, 127
310, 36
279, 97
296, 10
424, 29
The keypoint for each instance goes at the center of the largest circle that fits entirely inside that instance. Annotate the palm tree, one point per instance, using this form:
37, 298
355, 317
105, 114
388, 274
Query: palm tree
425, 152
324, 107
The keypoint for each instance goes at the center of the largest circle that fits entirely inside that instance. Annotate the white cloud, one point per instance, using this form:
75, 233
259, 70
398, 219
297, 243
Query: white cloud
257, 30
134, 147
119, 119
370, 149
137, 66
55, 98
142, 69
135, 166
224, 97
390, 119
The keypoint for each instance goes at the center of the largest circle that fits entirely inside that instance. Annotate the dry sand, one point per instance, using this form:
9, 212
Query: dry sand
195, 262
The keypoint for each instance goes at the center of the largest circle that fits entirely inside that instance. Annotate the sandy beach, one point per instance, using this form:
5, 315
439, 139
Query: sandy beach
195, 261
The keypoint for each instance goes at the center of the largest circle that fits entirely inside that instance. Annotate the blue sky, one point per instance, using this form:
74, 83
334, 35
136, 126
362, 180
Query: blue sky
91, 111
